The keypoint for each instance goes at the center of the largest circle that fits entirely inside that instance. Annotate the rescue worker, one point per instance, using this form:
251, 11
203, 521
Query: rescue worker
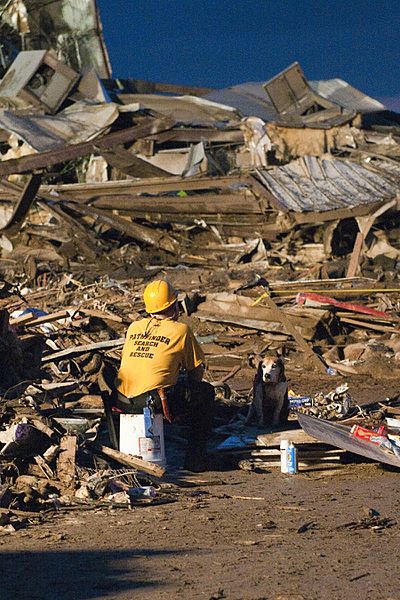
163, 357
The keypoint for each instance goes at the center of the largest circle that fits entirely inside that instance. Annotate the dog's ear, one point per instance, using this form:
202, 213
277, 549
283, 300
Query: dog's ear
281, 364
259, 369
258, 381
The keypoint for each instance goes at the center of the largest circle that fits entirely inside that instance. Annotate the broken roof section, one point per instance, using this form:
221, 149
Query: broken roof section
70, 27
345, 95
289, 97
319, 185
187, 110
77, 123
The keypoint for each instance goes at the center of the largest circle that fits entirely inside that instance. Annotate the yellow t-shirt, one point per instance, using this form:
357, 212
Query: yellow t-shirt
154, 352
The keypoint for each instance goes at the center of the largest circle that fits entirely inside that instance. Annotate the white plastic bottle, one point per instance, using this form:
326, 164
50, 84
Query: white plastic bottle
291, 454
284, 447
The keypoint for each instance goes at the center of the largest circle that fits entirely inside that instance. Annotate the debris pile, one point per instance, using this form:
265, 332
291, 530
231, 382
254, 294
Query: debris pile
273, 207
130, 184
334, 405
55, 449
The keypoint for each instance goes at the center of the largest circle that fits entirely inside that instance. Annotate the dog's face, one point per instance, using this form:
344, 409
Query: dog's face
271, 370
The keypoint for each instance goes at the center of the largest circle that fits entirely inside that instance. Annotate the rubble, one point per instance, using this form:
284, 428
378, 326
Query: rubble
276, 214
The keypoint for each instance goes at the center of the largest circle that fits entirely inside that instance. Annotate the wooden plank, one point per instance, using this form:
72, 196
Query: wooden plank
81, 191
141, 86
367, 318
339, 435
66, 462
129, 163
32, 321
331, 215
333, 285
251, 222
23, 205
290, 328
134, 230
259, 325
365, 225
131, 461
355, 255
46, 159
80, 236
316, 452
186, 134
302, 465
102, 314
297, 436
368, 325
83, 349
200, 204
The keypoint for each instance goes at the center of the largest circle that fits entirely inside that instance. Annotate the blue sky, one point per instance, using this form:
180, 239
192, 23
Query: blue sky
217, 43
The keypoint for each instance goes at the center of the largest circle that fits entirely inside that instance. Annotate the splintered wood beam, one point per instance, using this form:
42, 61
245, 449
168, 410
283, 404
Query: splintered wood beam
187, 134
141, 86
131, 461
355, 255
303, 218
74, 350
81, 192
23, 205
46, 159
280, 316
200, 204
134, 230
365, 223
66, 462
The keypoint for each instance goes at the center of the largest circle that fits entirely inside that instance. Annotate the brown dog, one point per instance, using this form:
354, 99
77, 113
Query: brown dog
270, 405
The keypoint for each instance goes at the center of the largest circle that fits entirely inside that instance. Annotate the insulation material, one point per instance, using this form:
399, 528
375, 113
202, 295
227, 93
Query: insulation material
256, 140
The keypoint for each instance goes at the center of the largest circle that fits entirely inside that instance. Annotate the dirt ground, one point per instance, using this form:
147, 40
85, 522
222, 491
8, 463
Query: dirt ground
235, 534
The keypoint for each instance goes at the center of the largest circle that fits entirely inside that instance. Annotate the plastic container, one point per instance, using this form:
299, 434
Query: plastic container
298, 401
291, 454
147, 491
283, 447
369, 435
142, 435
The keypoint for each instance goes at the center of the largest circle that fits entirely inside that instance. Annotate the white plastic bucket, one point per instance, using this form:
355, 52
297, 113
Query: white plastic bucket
133, 440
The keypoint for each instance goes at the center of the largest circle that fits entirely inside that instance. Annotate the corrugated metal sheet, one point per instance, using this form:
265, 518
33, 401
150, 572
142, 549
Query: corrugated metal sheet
346, 95
252, 100
318, 185
389, 169
249, 98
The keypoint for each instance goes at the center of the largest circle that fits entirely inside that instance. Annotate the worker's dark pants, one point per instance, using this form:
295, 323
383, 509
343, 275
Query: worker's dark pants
191, 403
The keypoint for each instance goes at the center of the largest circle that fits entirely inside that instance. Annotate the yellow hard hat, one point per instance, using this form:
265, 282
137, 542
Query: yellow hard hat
159, 295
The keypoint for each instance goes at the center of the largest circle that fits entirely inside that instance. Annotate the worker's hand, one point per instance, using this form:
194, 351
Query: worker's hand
165, 406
